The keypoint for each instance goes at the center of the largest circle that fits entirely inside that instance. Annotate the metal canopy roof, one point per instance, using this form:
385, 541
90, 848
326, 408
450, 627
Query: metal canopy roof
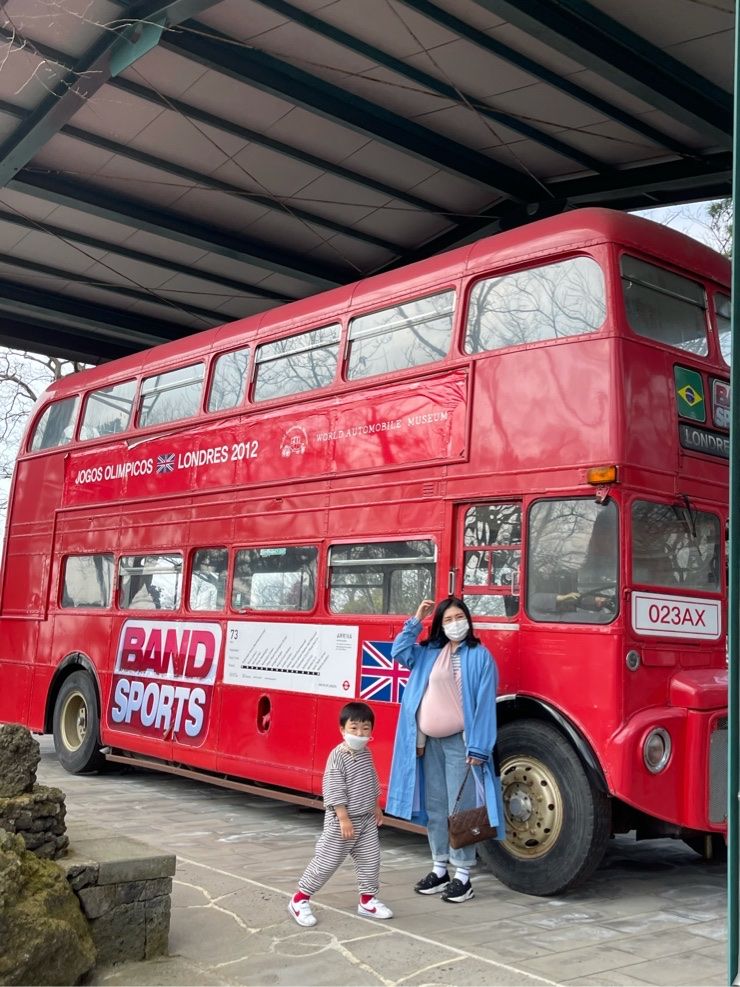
170, 166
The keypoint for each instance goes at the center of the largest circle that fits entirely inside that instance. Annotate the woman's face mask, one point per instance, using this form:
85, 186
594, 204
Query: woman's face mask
456, 630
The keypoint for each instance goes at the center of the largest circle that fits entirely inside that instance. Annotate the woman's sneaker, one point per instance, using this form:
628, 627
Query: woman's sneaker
432, 883
374, 909
456, 891
301, 911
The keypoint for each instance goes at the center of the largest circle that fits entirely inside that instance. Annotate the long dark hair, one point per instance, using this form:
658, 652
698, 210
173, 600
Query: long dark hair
437, 637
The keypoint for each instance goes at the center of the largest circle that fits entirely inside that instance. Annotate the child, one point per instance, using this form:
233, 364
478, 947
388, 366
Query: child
351, 792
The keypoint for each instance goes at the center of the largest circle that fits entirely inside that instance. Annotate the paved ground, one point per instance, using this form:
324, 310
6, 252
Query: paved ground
653, 914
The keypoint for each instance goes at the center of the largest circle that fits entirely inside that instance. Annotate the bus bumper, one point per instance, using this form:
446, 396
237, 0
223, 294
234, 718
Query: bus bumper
691, 790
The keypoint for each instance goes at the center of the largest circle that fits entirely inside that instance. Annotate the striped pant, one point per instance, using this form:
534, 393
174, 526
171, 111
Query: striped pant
332, 850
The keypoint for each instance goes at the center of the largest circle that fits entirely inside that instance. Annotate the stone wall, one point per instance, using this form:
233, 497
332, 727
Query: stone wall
124, 889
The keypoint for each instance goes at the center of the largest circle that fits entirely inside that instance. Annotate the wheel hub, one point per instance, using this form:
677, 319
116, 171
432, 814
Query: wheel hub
74, 721
533, 806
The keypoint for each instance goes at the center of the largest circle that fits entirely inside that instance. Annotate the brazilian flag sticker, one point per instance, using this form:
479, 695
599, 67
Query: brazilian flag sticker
690, 394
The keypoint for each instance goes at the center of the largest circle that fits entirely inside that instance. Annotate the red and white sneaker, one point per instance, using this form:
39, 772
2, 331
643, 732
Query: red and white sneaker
374, 909
301, 912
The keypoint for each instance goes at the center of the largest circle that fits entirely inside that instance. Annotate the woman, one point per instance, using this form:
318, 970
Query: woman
447, 722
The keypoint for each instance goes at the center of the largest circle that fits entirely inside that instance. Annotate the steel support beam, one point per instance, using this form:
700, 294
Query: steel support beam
97, 202
117, 46
208, 317
208, 181
243, 133
71, 237
74, 313
434, 85
561, 83
270, 74
577, 29
19, 332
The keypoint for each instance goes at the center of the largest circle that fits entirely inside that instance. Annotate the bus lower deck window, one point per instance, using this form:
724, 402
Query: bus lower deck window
381, 577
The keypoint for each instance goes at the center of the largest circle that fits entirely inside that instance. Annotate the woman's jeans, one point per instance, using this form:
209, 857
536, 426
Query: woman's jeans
444, 770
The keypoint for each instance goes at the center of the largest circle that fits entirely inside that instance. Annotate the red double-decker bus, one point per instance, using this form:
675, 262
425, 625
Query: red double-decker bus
212, 544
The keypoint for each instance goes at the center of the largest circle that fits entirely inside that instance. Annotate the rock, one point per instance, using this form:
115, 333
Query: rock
45, 937
19, 758
39, 817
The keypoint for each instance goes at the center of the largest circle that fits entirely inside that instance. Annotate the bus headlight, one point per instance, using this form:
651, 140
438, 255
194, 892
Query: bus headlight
656, 749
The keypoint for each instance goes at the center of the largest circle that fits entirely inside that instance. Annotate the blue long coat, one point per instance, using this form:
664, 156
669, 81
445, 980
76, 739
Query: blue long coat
479, 677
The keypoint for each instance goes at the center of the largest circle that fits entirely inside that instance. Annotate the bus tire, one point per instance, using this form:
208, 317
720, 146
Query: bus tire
558, 823
77, 725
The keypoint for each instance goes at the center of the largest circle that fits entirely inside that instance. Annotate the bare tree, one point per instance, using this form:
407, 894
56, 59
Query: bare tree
23, 378
720, 225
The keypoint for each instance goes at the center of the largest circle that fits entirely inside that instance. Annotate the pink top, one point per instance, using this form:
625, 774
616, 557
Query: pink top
440, 711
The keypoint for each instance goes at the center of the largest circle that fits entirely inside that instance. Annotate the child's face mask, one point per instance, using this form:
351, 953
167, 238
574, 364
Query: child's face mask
354, 742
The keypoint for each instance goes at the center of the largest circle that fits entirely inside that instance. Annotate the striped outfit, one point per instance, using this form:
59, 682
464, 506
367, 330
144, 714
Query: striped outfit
350, 780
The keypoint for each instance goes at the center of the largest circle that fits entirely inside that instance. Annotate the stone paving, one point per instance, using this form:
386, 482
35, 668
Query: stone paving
653, 914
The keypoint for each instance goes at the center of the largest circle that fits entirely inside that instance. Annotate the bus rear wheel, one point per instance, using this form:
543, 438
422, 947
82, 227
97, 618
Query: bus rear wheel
77, 725
557, 822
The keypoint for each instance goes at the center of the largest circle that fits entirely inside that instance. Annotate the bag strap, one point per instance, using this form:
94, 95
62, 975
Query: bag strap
479, 790
462, 787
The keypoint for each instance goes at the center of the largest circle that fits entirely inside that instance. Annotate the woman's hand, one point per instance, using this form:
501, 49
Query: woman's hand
473, 760
424, 609
379, 818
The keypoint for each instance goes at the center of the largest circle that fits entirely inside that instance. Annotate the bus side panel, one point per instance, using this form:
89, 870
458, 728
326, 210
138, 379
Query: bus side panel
18, 643
268, 735
29, 533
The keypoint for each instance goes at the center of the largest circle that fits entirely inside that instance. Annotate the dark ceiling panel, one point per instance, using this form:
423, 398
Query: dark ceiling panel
202, 158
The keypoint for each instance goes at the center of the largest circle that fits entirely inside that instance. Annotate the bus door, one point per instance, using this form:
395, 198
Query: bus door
274, 653
486, 569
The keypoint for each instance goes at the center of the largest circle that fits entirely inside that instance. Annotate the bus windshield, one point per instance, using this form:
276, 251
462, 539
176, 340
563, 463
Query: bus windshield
572, 561
675, 545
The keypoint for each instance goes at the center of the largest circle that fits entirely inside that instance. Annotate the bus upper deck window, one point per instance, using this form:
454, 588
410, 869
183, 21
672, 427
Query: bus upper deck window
664, 306
297, 363
108, 410
547, 302
723, 311
56, 425
168, 397
229, 380
407, 335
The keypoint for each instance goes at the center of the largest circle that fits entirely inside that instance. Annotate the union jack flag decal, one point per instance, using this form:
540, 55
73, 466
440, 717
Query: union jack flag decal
382, 679
166, 463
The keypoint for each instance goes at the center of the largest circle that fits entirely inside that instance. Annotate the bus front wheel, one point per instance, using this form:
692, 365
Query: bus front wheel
557, 822
77, 725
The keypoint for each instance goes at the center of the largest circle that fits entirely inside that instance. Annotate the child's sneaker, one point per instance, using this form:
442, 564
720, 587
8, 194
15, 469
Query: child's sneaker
301, 911
374, 909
